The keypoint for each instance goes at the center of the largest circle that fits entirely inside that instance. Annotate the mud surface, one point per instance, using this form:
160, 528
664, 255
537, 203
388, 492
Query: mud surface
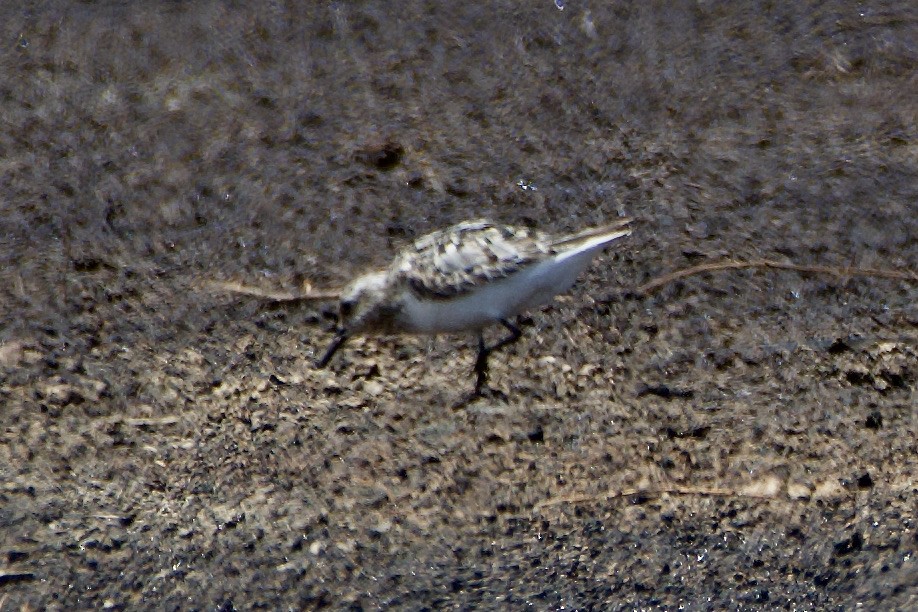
738, 438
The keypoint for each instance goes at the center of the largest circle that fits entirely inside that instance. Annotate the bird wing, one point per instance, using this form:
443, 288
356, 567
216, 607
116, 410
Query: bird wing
453, 261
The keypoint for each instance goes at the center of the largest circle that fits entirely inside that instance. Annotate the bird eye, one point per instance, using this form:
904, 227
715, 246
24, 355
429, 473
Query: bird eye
347, 308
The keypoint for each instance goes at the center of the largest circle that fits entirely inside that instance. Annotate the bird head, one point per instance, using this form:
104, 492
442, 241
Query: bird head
364, 305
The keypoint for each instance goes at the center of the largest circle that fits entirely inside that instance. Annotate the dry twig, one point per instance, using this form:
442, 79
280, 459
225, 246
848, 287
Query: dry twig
672, 490
657, 283
272, 295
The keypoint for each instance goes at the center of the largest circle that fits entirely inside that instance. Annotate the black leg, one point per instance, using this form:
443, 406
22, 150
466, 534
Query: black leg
481, 363
515, 334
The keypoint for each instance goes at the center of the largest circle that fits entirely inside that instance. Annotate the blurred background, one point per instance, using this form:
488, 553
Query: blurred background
147, 148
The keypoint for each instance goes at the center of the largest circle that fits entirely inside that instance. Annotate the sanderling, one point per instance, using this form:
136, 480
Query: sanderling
465, 278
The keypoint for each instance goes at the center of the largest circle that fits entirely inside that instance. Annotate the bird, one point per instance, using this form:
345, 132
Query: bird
467, 277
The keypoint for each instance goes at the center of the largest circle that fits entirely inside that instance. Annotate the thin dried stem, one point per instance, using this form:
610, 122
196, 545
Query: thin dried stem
273, 295
657, 283
671, 490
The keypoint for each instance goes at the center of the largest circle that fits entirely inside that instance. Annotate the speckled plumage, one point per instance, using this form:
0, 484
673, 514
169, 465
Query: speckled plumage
450, 262
466, 277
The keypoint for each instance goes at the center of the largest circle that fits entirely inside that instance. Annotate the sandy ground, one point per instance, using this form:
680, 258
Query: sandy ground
736, 439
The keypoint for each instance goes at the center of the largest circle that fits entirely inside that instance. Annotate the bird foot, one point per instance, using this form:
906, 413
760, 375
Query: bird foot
482, 392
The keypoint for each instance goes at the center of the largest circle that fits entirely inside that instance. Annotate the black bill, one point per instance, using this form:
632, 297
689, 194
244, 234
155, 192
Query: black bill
337, 342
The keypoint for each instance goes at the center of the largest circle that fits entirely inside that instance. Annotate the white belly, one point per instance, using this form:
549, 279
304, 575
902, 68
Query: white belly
500, 299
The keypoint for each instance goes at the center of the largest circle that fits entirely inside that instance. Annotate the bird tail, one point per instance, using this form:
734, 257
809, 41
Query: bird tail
595, 236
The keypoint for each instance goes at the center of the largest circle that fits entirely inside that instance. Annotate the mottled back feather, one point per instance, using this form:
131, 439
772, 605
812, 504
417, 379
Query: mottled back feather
454, 261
